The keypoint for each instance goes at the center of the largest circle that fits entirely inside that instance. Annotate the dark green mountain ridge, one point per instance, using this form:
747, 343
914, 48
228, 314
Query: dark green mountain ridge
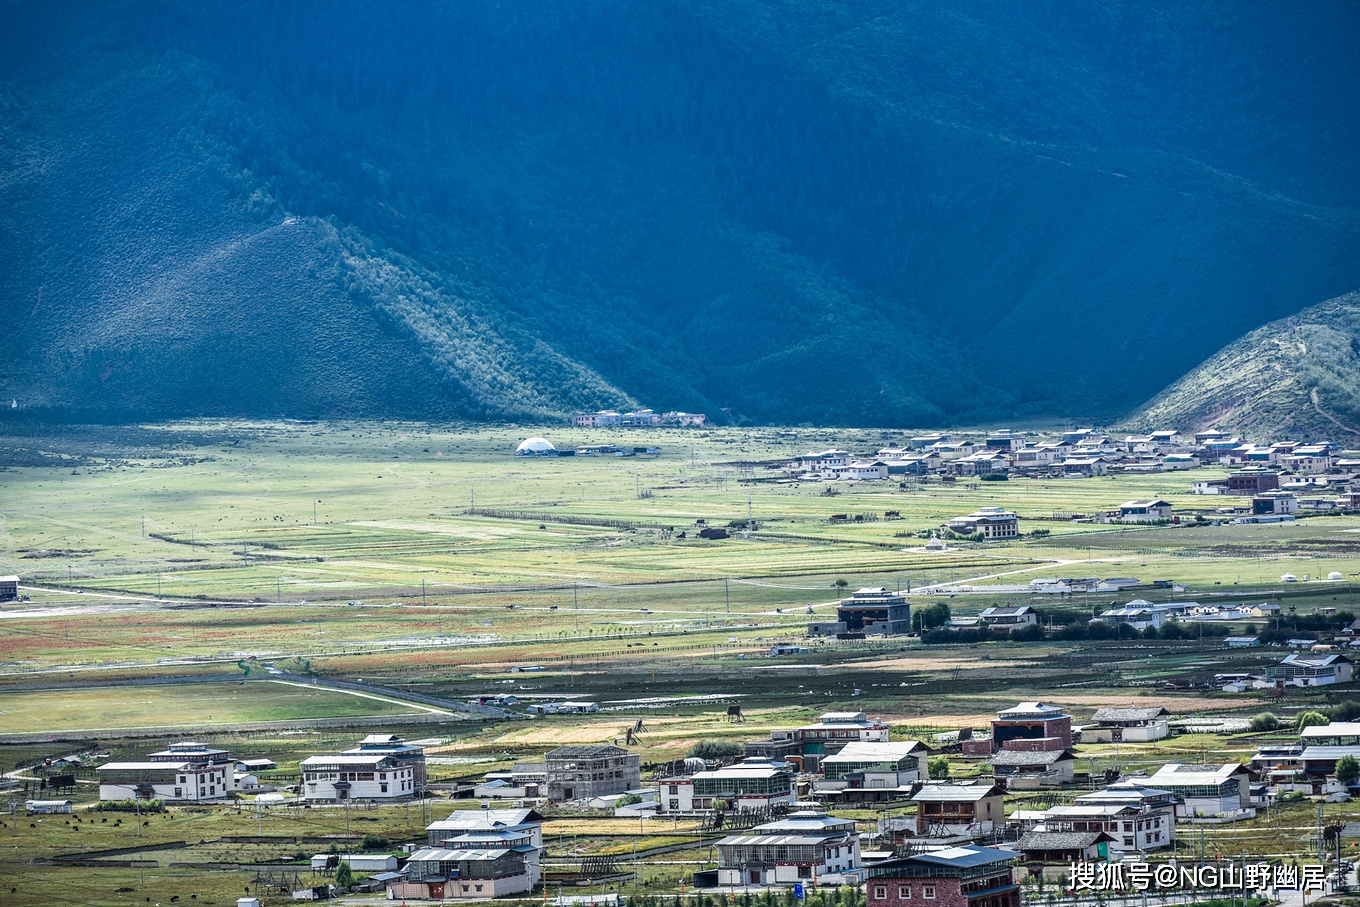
888, 213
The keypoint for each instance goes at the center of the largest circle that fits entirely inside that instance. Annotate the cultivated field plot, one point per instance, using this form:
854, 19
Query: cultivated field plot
286, 512
199, 705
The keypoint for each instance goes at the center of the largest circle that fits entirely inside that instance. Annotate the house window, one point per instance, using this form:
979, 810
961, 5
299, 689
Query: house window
179, 792
674, 804
904, 892
880, 892
384, 788
928, 892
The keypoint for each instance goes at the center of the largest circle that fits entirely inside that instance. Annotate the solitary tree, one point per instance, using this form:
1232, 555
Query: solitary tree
1311, 719
344, 876
939, 768
1347, 770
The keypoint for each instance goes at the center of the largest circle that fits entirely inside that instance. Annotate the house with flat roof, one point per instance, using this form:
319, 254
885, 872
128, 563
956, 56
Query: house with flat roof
184, 772
946, 809
1308, 669
461, 822
811, 742
875, 612
1031, 769
1253, 480
404, 755
582, 772
872, 771
967, 876
356, 776
1065, 846
9, 588
169, 782
992, 522
1139, 817
802, 847
1144, 511
751, 785
1009, 618
1216, 791
1132, 724
1031, 721
500, 850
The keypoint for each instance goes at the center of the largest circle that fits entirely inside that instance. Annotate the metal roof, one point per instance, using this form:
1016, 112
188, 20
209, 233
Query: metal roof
1330, 752
870, 751
1129, 714
1030, 710
185, 766
955, 793
589, 751
483, 819
441, 855
965, 857
1174, 775
773, 840
1060, 840
1335, 729
348, 759
1029, 757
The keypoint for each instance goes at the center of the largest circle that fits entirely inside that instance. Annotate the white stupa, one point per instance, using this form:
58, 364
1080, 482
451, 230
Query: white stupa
935, 544
535, 447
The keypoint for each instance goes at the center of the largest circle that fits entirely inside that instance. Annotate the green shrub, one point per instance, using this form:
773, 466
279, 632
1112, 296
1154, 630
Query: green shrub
716, 749
1263, 722
939, 768
130, 806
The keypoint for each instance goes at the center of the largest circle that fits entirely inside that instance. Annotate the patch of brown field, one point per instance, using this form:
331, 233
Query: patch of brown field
1175, 703
949, 662
1076, 703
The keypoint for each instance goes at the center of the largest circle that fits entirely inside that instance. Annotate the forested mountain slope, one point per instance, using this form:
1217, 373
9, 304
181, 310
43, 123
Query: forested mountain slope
863, 212
1298, 378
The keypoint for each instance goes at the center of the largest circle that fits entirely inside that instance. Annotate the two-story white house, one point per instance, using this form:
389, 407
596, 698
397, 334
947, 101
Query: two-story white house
798, 848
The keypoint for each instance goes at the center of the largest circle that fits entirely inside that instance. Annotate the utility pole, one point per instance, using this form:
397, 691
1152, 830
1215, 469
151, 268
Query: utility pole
422, 591
278, 588
193, 541
727, 591
314, 503
143, 527
158, 585
245, 553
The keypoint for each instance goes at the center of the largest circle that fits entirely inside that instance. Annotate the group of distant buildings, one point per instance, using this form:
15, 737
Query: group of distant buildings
1086, 452
643, 418
782, 783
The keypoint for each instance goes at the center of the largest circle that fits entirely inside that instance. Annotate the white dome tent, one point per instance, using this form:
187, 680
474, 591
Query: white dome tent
535, 447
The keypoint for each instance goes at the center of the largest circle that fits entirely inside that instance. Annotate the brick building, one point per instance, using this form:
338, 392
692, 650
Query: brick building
966, 876
1031, 720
